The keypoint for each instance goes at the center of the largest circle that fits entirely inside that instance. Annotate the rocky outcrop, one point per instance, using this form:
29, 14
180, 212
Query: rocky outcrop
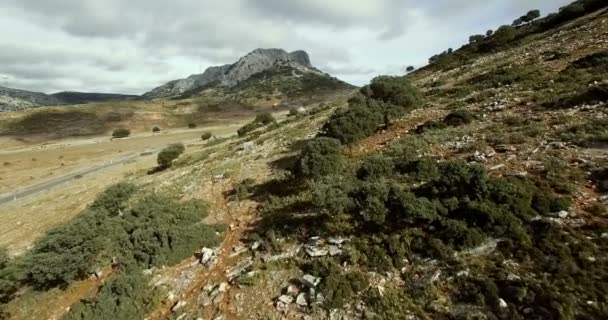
255, 62
15, 99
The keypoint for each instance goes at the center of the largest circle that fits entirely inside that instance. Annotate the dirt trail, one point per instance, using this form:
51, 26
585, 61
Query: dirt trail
238, 219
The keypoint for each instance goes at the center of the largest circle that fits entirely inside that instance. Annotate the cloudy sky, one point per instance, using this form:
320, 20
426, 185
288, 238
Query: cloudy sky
131, 46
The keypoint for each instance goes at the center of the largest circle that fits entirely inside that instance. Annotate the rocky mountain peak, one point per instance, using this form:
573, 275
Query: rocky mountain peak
257, 61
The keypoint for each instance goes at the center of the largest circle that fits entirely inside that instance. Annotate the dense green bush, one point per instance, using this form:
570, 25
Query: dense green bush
385, 98
458, 118
320, 157
9, 278
191, 125
156, 129
206, 136
168, 154
127, 295
338, 287
154, 231
247, 128
121, 133
359, 121
264, 118
593, 131
394, 90
594, 60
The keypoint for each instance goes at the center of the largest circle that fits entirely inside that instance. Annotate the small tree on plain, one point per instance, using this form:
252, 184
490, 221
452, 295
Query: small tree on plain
206, 136
121, 133
264, 118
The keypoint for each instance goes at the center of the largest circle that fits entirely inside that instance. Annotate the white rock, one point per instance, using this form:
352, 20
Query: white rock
286, 299
334, 250
178, 306
207, 256
502, 303
310, 281
301, 300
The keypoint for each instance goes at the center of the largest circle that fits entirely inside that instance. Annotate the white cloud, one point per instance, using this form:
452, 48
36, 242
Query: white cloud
132, 46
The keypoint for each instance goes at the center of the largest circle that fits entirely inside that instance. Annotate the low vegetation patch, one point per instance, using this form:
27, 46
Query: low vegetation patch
168, 154
121, 133
58, 124
130, 236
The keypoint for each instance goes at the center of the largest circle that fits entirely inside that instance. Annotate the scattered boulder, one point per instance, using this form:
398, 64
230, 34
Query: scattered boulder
178, 306
239, 269
208, 257
314, 251
301, 300
334, 250
310, 281
504, 148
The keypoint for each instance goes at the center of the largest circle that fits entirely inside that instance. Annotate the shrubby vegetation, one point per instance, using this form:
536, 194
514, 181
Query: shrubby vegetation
320, 157
206, 136
399, 207
127, 295
121, 133
152, 231
261, 119
168, 154
385, 99
588, 133
454, 119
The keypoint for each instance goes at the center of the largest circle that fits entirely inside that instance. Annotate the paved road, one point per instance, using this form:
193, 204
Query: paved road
19, 194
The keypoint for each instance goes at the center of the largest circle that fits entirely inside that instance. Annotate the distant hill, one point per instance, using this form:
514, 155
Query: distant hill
70, 97
16, 99
256, 68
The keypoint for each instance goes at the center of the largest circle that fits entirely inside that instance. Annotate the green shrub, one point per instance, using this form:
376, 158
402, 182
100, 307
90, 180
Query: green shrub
114, 199
206, 136
338, 287
247, 128
359, 121
156, 129
155, 231
243, 188
69, 252
127, 295
168, 154
9, 278
458, 118
375, 167
320, 157
430, 125
593, 131
596, 60
264, 118
191, 125
394, 90
121, 133
591, 95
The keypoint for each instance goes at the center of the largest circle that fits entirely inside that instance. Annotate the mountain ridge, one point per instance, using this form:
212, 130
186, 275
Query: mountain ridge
229, 75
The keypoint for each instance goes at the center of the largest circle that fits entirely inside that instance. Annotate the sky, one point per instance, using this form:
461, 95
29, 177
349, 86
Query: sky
132, 46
